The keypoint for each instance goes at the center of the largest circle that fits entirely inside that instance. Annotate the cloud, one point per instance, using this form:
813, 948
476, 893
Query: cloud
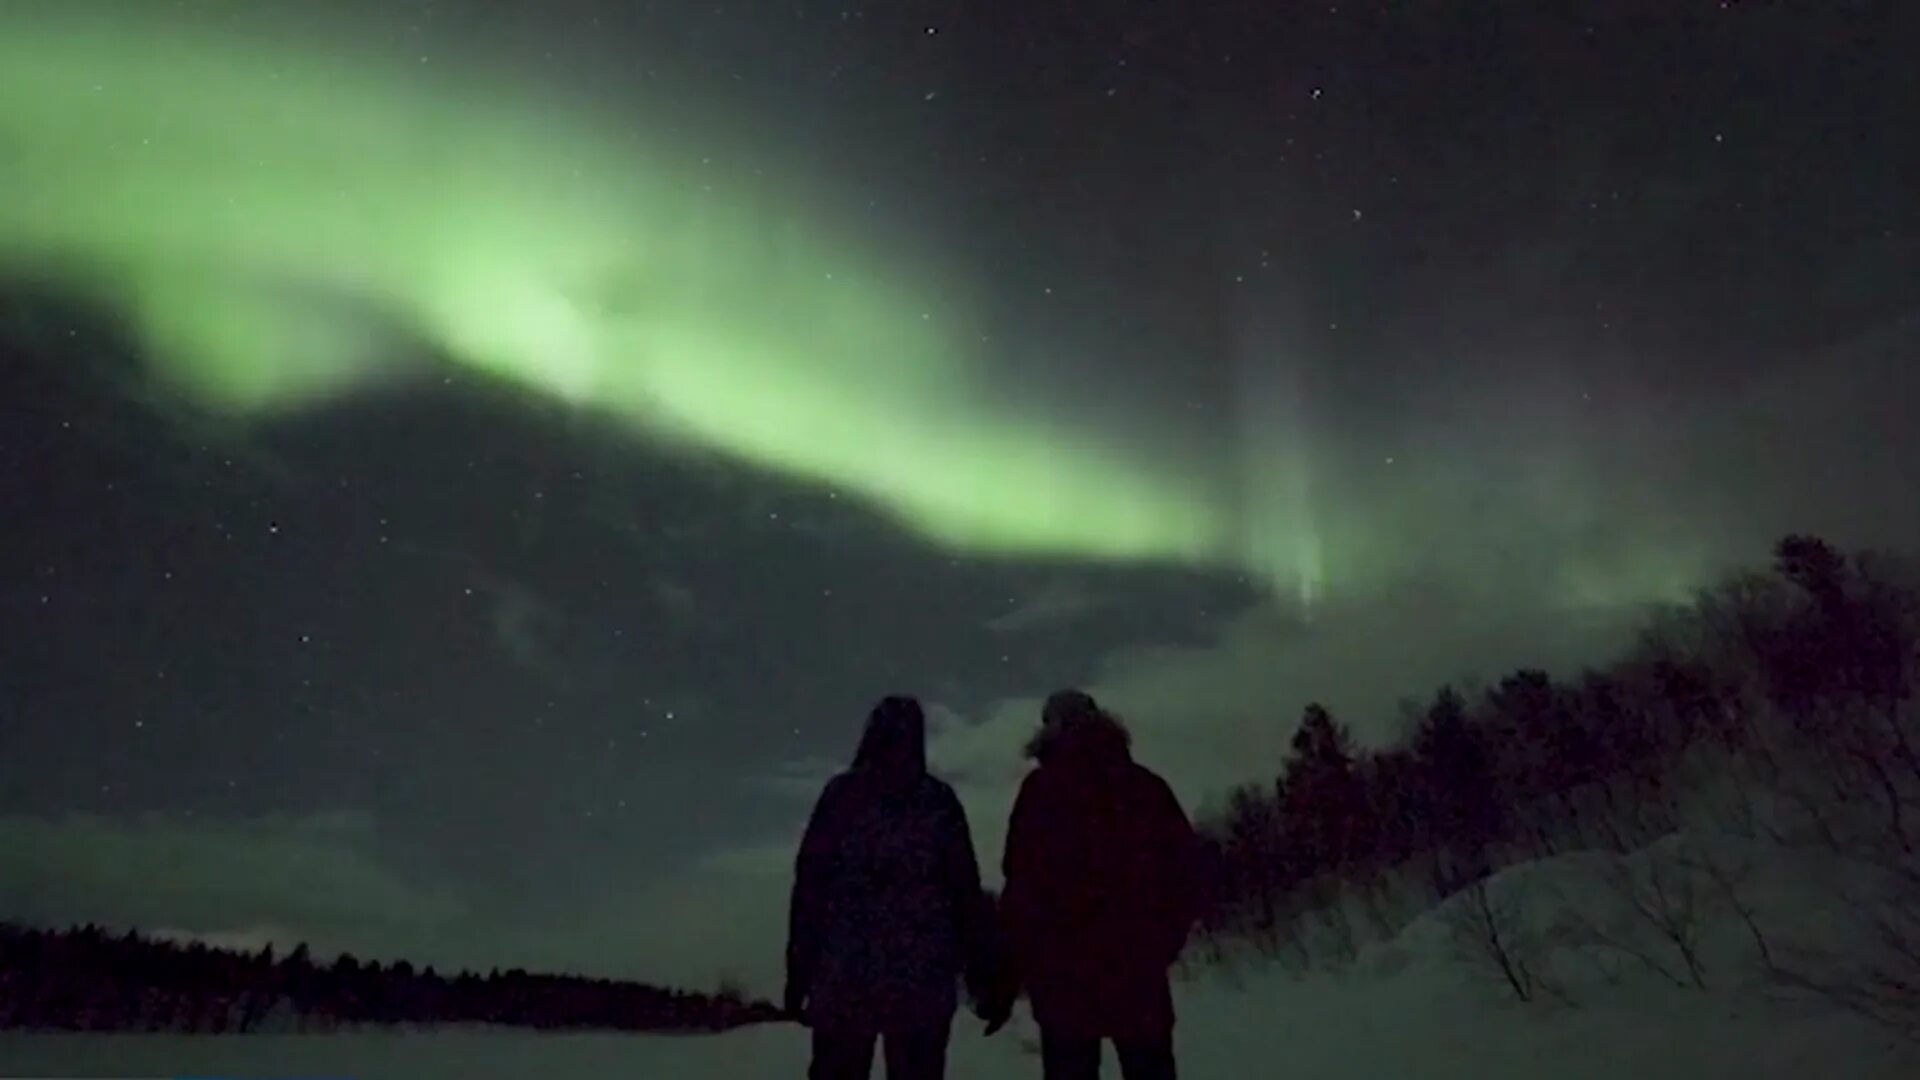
1212, 715
798, 778
246, 883
722, 914
768, 859
1058, 601
278, 878
245, 939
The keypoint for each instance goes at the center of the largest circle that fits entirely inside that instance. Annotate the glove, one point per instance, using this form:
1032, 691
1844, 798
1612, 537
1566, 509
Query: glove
996, 1010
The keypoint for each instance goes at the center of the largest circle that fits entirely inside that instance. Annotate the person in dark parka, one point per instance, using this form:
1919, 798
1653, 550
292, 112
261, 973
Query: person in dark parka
1102, 874
887, 911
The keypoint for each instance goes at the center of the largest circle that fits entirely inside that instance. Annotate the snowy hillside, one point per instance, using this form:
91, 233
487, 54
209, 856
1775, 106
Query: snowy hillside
1614, 998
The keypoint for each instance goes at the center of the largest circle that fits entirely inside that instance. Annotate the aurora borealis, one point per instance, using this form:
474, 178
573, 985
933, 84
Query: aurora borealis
194, 181
495, 451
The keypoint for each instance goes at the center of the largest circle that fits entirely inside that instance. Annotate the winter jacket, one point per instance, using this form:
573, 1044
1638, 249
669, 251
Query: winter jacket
887, 909
1102, 872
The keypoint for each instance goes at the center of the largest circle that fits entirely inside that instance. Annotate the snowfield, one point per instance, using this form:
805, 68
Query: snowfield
1429, 1002
1406, 1026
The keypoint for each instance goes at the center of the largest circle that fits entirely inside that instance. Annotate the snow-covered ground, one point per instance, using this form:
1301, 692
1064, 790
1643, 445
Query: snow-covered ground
1319, 1027
1325, 1027
1419, 1005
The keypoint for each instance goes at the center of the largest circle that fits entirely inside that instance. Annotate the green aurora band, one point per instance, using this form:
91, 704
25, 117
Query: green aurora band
284, 217
275, 219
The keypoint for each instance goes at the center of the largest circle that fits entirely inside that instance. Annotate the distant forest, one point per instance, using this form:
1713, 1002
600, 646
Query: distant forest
86, 979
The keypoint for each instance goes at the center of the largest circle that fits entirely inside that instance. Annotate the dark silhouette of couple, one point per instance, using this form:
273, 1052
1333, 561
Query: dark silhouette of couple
888, 916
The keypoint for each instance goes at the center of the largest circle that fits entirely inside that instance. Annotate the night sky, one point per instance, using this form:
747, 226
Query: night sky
468, 466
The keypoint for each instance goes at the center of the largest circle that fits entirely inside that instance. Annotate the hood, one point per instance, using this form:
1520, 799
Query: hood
1075, 730
895, 740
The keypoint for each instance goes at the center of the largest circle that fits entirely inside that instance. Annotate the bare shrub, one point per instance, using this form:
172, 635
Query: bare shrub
1661, 928
1727, 881
1487, 930
1877, 975
1334, 917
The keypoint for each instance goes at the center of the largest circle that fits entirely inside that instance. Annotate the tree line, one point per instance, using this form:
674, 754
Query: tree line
1776, 705
88, 979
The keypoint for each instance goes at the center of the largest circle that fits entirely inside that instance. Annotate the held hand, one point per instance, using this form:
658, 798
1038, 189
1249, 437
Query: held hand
996, 1013
794, 1004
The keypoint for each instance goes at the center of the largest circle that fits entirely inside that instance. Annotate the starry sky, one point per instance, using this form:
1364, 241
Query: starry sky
469, 465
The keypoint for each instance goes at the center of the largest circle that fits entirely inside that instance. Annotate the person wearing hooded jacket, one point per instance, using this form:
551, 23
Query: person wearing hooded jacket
1102, 873
887, 912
